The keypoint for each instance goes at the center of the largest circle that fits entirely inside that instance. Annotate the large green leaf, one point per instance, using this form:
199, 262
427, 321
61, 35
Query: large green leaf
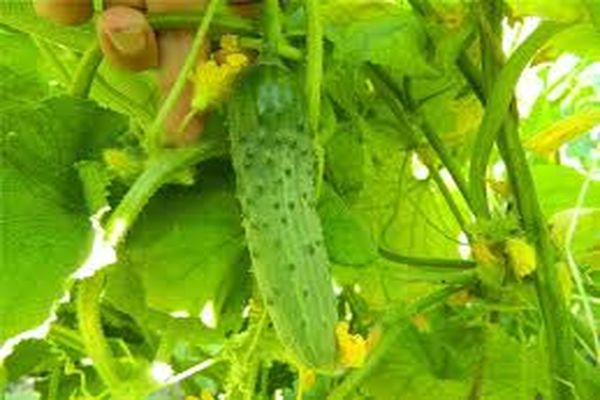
188, 247
380, 32
21, 85
44, 227
559, 10
347, 238
558, 187
512, 369
581, 39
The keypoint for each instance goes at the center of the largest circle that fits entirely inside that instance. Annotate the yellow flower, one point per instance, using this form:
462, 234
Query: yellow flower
521, 256
212, 82
206, 395
352, 348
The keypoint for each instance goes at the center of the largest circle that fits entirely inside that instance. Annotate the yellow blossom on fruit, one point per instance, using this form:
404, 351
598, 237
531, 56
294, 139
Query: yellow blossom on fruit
352, 348
521, 256
212, 81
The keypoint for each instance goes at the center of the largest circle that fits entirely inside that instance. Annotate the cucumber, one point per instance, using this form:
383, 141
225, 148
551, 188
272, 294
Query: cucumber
273, 159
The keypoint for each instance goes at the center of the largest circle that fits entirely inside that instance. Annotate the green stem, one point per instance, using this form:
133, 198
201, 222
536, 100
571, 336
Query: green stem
191, 20
284, 49
556, 316
53, 385
90, 328
314, 63
86, 71
425, 261
159, 170
156, 129
272, 26
67, 338
497, 108
390, 337
314, 80
559, 334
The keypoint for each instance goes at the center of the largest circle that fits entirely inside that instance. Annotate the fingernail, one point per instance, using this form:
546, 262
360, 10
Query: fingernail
127, 39
130, 42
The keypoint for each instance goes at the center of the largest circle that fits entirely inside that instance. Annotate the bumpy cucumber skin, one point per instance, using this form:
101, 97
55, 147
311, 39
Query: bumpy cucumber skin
273, 158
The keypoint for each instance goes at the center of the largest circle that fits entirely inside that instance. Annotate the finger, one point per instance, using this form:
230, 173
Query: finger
126, 38
138, 4
66, 12
174, 46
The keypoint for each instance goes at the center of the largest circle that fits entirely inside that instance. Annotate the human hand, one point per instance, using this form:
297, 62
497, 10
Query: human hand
128, 42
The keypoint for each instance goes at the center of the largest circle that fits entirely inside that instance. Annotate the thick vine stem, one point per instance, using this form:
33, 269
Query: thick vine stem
90, 328
161, 168
499, 100
156, 129
556, 316
86, 71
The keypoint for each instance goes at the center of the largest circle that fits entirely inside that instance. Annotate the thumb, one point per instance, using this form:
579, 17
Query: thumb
126, 38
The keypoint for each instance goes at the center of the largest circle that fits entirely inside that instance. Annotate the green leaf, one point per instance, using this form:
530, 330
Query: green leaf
585, 246
188, 247
404, 373
30, 357
581, 39
347, 238
345, 160
44, 227
558, 10
558, 187
512, 368
21, 85
379, 32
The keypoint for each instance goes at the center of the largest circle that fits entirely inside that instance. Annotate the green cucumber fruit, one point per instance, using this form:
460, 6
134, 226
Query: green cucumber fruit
273, 158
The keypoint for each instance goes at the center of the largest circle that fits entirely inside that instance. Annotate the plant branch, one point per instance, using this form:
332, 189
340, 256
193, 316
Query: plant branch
446, 263
191, 19
86, 71
156, 129
90, 329
559, 334
160, 169
497, 108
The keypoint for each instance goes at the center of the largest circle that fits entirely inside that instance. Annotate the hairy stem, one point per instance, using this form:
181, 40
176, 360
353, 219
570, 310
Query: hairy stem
90, 329
499, 100
160, 169
86, 71
559, 334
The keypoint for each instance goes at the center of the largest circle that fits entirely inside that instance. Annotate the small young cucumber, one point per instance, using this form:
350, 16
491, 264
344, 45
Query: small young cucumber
273, 160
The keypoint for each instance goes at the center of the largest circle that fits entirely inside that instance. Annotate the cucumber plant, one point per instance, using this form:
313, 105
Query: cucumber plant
360, 215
